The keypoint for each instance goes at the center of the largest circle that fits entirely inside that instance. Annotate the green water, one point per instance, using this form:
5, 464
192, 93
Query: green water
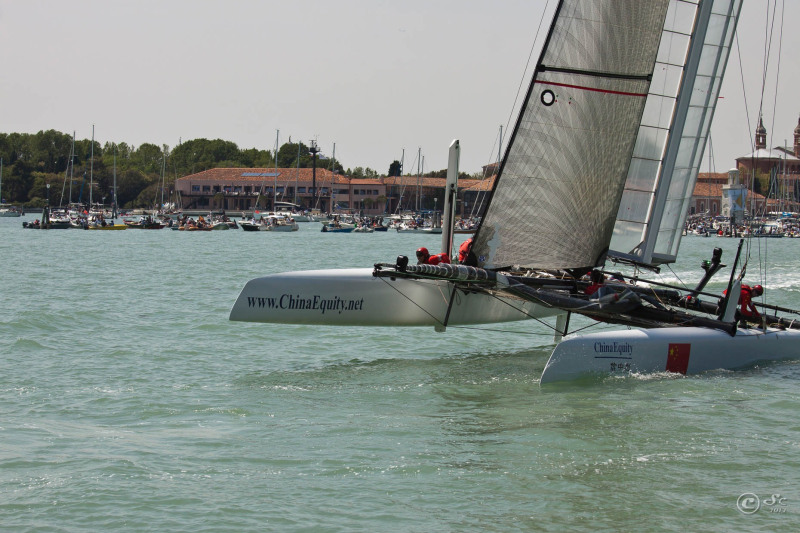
128, 402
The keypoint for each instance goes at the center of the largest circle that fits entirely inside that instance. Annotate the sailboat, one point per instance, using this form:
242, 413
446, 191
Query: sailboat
98, 221
600, 165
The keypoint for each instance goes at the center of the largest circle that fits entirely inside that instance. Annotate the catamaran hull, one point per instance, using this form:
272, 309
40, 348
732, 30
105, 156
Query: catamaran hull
354, 297
683, 350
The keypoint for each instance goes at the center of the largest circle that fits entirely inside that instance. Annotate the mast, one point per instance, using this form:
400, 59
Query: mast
297, 173
114, 197
333, 177
314, 151
450, 192
422, 171
1, 180
275, 174
66, 174
163, 176
500, 146
419, 175
71, 167
402, 181
91, 171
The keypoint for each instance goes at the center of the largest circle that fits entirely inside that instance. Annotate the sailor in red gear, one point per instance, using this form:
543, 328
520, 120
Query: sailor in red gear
425, 258
598, 279
463, 250
747, 309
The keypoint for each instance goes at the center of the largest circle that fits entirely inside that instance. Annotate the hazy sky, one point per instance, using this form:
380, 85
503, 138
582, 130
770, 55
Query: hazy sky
373, 76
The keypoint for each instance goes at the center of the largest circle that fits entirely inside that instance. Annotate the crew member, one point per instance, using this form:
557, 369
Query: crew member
425, 258
747, 309
597, 279
463, 250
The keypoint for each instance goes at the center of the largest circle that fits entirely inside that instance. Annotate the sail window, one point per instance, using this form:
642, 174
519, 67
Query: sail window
710, 26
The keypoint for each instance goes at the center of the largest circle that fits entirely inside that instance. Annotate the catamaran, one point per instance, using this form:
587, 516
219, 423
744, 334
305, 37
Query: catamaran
600, 166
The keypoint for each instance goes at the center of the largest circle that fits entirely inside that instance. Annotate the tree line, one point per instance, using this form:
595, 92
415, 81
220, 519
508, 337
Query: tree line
32, 161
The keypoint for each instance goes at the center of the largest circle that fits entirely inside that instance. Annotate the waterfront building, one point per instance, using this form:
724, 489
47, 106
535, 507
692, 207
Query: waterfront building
245, 189
777, 169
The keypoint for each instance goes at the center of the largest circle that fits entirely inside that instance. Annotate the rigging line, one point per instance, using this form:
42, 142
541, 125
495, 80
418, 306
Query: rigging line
765, 59
593, 325
477, 205
488, 294
685, 287
522, 311
769, 30
748, 126
410, 300
778, 68
527, 64
774, 113
497, 141
496, 330
712, 168
540, 321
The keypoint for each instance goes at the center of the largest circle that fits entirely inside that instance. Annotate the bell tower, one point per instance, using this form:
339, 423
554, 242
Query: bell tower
761, 135
797, 139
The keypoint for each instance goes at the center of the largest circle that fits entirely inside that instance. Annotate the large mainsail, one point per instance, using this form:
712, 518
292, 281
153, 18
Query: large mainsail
556, 198
694, 50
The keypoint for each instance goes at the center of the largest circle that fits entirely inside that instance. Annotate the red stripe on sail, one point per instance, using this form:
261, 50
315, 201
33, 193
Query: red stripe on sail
583, 88
678, 357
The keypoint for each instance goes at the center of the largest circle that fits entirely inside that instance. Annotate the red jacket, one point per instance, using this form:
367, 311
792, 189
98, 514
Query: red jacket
463, 250
438, 258
745, 301
593, 288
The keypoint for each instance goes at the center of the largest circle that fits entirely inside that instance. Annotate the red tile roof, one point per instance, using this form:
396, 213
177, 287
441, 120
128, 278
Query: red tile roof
705, 189
257, 175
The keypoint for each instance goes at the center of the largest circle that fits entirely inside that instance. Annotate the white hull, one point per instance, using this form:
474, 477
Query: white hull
683, 350
419, 230
297, 217
354, 297
285, 227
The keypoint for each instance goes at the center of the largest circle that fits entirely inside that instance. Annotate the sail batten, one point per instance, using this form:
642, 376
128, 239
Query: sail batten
646, 77
556, 198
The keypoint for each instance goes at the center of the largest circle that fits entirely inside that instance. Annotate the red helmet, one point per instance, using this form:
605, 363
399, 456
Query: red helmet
758, 290
422, 252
